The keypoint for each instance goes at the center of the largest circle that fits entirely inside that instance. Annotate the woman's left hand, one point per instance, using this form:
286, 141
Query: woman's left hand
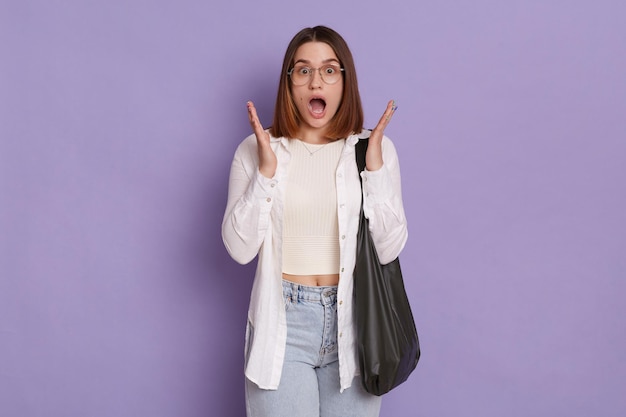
374, 155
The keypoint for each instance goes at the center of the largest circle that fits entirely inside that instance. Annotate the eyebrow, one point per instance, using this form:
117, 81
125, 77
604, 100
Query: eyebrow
326, 61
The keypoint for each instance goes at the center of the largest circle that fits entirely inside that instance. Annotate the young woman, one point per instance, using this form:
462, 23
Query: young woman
293, 200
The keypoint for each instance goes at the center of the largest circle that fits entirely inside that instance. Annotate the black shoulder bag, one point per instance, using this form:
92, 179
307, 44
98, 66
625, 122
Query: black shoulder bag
386, 336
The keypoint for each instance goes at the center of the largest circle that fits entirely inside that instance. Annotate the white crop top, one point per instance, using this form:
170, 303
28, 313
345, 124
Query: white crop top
310, 226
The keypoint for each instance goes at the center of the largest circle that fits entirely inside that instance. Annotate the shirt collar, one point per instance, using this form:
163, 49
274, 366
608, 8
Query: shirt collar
354, 138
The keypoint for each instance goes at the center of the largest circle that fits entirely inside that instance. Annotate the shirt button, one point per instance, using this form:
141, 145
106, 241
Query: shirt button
343, 236
342, 205
340, 334
341, 269
340, 302
268, 199
272, 185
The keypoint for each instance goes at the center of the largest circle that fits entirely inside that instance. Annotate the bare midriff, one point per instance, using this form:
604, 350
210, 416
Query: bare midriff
313, 280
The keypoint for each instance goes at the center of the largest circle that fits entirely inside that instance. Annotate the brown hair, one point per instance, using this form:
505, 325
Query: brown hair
349, 116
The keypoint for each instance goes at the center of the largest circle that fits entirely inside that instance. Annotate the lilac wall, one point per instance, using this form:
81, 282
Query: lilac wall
118, 123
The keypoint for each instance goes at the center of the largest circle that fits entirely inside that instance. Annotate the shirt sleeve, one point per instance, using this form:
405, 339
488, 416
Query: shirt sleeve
382, 204
250, 198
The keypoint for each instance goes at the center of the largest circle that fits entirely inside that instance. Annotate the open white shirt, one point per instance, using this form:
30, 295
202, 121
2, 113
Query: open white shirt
252, 226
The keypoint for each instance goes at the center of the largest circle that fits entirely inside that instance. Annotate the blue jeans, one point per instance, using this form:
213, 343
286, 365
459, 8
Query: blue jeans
309, 385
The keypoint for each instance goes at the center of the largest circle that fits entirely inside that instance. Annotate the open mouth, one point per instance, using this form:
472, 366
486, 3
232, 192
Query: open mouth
317, 106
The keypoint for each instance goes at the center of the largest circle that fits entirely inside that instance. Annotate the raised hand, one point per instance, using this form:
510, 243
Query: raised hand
267, 157
374, 155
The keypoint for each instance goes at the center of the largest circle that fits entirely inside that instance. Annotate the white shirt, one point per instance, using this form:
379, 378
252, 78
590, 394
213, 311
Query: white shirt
252, 226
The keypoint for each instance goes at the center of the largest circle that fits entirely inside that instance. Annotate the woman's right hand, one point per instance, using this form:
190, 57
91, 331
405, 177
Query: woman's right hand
267, 157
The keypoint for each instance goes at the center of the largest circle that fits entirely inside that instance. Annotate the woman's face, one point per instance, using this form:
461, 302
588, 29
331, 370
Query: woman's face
316, 101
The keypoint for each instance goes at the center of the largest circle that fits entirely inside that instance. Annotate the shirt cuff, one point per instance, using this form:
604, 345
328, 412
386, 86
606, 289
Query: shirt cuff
376, 185
262, 190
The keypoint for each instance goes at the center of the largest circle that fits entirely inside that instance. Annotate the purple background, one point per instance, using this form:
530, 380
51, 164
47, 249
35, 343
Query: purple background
118, 123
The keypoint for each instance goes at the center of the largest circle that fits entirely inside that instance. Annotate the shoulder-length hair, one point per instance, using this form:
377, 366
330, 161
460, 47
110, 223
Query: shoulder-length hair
349, 116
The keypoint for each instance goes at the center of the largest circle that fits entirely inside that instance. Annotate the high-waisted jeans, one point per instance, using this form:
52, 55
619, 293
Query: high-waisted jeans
309, 385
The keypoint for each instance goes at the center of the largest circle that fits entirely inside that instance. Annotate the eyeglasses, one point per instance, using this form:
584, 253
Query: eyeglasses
301, 74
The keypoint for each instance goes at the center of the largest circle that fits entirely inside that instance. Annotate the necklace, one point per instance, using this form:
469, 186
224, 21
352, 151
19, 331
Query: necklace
311, 153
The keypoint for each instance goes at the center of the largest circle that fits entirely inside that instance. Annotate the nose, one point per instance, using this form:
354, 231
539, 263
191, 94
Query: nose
316, 79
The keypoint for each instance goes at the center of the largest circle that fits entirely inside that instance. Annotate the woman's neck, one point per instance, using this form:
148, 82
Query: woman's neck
313, 136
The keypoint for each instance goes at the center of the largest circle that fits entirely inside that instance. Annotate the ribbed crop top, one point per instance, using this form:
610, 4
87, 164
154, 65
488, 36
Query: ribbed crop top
310, 226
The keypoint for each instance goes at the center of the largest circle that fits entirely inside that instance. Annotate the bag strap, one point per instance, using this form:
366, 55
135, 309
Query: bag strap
360, 150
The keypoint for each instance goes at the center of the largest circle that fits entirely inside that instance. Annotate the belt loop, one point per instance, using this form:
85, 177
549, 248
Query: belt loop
289, 294
295, 288
329, 296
